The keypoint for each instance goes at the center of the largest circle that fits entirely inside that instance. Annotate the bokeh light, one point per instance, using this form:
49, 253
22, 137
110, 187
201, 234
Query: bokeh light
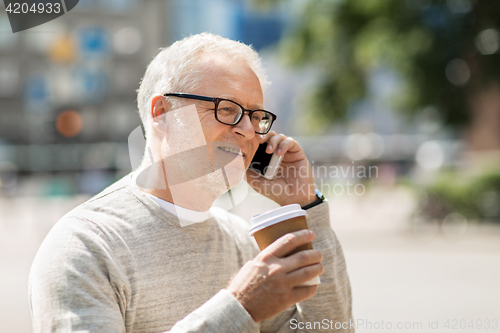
62, 49
364, 146
457, 72
454, 225
488, 41
69, 123
430, 155
459, 6
127, 41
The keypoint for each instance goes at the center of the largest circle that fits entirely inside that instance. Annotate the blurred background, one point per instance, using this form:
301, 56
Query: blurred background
396, 103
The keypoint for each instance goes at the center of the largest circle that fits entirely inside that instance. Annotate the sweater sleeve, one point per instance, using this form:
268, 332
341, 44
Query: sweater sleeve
331, 308
221, 313
76, 284
73, 283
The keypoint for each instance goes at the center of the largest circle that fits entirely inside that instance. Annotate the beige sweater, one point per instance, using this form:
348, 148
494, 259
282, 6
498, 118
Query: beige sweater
120, 263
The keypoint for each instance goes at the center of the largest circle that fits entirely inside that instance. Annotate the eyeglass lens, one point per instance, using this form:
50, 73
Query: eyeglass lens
230, 113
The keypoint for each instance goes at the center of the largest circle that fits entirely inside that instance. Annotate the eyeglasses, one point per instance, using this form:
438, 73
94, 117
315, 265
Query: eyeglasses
230, 113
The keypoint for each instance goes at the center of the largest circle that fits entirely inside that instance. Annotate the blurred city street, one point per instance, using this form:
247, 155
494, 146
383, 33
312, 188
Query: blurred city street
397, 275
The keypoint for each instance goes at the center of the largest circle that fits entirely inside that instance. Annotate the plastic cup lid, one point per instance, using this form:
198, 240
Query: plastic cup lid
274, 216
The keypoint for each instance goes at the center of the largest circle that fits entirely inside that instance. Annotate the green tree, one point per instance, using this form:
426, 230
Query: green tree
445, 51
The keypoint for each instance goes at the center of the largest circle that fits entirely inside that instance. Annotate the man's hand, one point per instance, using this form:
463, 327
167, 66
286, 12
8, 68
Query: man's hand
294, 181
267, 285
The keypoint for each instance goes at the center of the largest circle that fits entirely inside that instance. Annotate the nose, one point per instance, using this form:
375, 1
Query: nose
245, 127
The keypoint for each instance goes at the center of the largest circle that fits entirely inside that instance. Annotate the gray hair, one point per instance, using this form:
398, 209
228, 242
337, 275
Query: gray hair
174, 68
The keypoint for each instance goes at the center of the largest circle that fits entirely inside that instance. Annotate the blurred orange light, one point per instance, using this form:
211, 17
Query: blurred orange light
69, 123
62, 50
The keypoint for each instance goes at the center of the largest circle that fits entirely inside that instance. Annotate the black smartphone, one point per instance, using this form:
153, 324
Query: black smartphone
265, 164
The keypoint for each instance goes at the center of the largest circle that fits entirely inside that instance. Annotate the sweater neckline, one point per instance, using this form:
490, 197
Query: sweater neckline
165, 215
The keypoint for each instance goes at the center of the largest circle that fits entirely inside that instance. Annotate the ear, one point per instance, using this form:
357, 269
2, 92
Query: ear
159, 107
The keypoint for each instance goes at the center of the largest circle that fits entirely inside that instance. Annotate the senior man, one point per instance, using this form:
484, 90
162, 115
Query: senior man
151, 254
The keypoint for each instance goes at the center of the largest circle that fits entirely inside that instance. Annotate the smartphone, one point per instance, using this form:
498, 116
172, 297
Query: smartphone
265, 164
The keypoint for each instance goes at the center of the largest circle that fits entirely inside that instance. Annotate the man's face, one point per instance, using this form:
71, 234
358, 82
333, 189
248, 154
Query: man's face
184, 133
235, 80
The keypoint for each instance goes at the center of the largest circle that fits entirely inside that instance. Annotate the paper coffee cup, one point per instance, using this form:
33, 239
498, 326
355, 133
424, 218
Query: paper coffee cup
269, 226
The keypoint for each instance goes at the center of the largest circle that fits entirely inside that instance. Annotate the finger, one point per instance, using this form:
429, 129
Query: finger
265, 137
251, 174
285, 244
304, 274
299, 294
286, 145
302, 259
273, 142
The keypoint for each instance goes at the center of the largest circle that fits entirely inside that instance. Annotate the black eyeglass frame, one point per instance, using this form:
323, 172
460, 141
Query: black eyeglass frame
217, 100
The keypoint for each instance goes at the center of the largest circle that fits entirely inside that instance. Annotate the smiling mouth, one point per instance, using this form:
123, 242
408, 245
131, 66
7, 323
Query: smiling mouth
231, 150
